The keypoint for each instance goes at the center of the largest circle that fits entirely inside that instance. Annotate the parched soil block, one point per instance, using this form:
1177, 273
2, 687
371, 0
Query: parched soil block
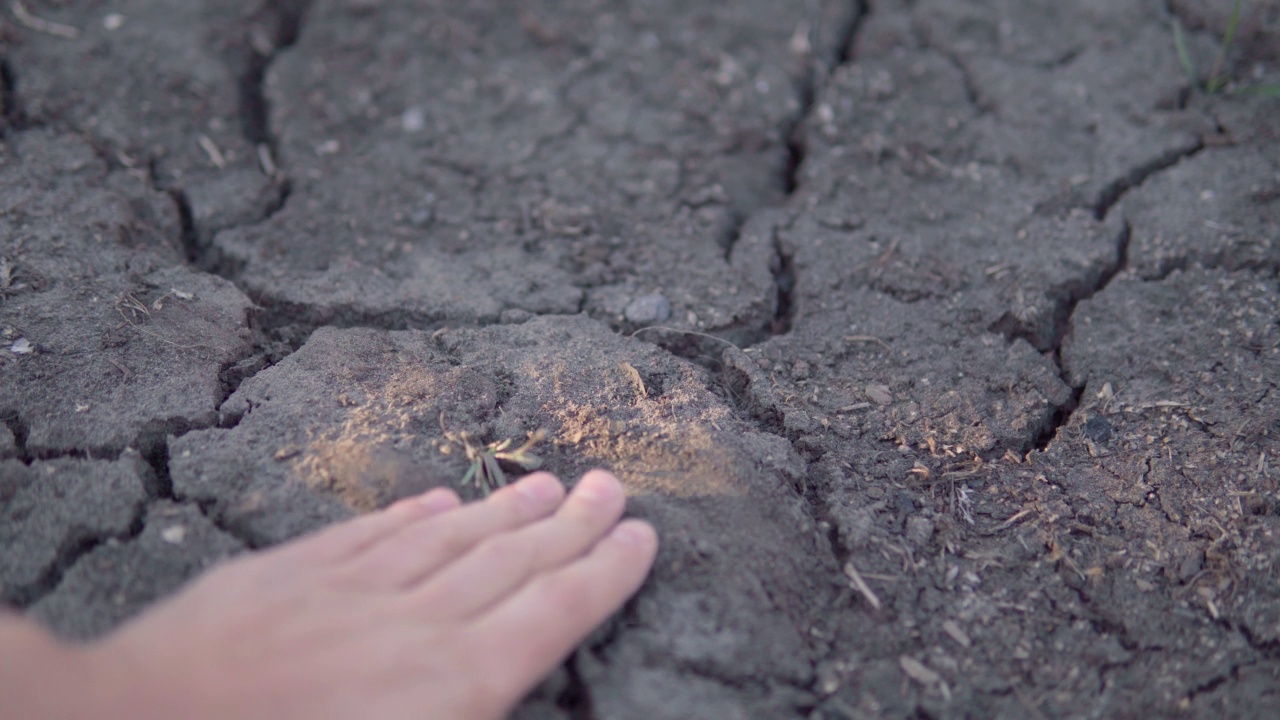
109, 340
165, 88
1220, 208
359, 417
459, 162
116, 580
51, 509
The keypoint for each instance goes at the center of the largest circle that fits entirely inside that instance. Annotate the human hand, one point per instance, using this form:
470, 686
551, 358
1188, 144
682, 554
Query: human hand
425, 609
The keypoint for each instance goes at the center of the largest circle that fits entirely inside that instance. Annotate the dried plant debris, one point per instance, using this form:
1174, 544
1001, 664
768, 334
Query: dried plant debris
485, 470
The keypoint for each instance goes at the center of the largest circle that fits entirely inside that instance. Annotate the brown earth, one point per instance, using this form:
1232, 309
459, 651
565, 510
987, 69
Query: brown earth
939, 339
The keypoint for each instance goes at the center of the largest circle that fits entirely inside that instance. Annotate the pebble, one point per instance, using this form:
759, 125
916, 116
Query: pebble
514, 316
413, 120
646, 309
1097, 429
919, 531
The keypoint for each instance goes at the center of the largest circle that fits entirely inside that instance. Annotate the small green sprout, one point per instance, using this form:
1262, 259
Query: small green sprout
486, 460
1218, 81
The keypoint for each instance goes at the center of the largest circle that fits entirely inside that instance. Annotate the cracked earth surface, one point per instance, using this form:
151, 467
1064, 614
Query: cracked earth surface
939, 339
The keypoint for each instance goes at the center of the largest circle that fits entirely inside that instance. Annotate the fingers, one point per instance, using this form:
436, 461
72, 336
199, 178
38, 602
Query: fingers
419, 548
348, 539
526, 636
499, 566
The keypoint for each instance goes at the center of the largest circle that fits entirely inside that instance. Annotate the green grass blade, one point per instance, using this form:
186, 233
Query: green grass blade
1232, 26
1216, 80
1260, 90
1184, 55
496, 478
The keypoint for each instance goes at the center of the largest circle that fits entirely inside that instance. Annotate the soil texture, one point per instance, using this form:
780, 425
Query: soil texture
940, 339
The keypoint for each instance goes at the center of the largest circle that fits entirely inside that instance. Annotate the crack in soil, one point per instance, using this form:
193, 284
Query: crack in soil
1063, 317
972, 93
188, 240
784, 275
1116, 189
12, 116
576, 698
19, 429
74, 550
792, 130
69, 552
276, 29
1220, 262
271, 30
1064, 311
1068, 299
860, 10
152, 444
1072, 295
279, 25
1217, 681
1269, 649
160, 464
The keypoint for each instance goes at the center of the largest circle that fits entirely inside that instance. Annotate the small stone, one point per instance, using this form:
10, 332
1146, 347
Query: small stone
646, 309
797, 421
1097, 429
800, 370
413, 120
919, 530
422, 216
1190, 566
918, 671
174, 534
514, 316
904, 502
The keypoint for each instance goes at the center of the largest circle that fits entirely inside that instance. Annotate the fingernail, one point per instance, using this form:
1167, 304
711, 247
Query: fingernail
634, 532
540, 488
598, 486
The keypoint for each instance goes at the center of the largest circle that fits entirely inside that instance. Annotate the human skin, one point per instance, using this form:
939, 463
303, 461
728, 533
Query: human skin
427, 609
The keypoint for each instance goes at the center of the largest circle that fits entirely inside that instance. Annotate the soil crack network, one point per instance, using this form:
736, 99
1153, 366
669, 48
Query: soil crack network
936, 338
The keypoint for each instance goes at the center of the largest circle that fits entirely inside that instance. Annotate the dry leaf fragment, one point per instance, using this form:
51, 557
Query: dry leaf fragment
960, 636
879, 394
917, 671
855, 578
48, 27
633, 375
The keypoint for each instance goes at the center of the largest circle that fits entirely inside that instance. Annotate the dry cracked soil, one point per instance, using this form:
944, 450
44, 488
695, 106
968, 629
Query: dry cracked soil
939, 338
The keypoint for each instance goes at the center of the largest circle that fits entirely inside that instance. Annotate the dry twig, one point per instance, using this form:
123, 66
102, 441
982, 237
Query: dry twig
40, 25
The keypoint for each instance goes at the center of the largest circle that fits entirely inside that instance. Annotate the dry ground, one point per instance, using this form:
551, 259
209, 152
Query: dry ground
939, 339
